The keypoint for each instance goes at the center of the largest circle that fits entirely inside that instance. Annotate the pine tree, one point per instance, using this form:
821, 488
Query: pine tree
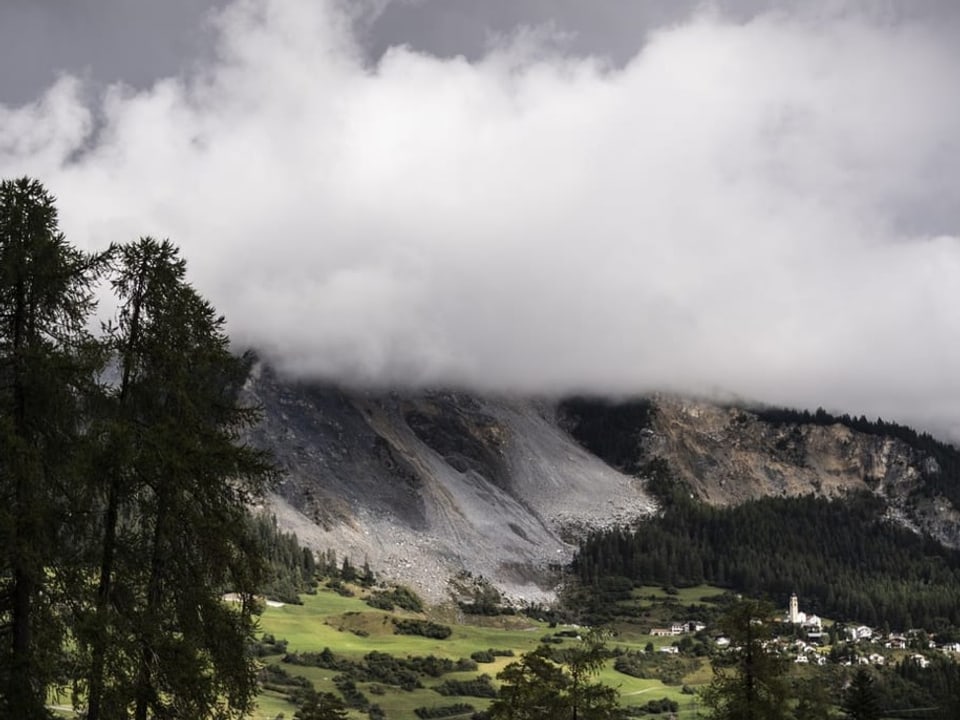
542, 685
47, 362
860, 699
749, 680
173, 532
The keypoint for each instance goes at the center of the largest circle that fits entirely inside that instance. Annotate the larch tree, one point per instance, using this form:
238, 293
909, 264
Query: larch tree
124, 482
160, 641
860, 700
47, 364
546, 683
749, 680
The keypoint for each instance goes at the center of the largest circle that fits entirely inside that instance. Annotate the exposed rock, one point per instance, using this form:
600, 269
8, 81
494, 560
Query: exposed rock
426, 486
728, 455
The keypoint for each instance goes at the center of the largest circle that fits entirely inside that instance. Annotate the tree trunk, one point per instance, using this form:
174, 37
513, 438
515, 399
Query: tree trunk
104, 589
145, 690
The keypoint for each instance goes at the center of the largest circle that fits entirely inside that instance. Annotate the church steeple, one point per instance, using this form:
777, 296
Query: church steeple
794, 614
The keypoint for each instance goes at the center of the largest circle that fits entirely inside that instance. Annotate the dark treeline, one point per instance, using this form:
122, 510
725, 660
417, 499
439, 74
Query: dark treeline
841, 557
943, 480
291, 569
611, 431
936, 686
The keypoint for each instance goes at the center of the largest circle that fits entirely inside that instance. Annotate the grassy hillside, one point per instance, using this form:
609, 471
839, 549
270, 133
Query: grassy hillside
351, 630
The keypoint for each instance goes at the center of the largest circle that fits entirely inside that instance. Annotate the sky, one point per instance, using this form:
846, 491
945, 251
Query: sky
741, 199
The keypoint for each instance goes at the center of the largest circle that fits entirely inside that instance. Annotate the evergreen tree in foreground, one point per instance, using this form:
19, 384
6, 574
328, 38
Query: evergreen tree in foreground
124, 484
47, 364
176, 490
546, 683
860, 700
749, 679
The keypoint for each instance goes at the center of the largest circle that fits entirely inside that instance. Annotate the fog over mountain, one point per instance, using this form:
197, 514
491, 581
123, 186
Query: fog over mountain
737, 198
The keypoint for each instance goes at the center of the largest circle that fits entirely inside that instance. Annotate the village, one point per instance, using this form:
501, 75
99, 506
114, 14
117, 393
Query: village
808, 639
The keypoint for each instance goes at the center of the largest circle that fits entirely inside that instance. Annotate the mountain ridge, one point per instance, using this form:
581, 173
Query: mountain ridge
428, 485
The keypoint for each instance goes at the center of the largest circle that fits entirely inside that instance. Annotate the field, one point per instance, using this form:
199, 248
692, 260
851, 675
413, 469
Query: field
351, 629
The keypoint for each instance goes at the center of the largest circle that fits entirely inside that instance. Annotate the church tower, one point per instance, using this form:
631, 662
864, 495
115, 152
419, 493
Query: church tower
794, 614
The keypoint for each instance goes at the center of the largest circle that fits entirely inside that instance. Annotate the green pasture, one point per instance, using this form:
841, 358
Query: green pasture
351, 629
694, 595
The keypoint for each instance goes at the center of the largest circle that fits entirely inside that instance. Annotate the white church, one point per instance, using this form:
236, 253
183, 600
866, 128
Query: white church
799, 618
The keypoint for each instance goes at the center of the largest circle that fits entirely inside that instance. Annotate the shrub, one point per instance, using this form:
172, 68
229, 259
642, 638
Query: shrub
478, 687
442, 711
424, 628
400, 596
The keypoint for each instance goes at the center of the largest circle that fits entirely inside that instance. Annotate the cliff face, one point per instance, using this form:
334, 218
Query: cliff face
427, 485
729, 455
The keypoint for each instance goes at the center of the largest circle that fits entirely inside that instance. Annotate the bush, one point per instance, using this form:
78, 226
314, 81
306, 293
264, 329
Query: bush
668, 669
442, 711
400, 596
478, 687
269, 645
424, 628
351, 695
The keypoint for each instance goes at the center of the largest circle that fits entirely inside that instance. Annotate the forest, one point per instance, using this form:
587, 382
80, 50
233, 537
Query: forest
842, 556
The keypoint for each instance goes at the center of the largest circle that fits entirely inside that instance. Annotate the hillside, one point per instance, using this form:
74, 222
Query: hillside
429, 484
425, 485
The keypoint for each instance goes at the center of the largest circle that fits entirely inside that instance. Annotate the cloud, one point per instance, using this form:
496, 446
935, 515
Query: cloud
766, 206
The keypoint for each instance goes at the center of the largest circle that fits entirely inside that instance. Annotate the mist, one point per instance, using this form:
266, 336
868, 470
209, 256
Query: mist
763, 206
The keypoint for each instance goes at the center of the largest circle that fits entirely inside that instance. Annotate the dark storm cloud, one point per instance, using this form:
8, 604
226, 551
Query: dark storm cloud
760, 204
107, 41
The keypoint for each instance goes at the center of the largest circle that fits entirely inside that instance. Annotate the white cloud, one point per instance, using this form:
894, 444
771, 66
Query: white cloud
767, 208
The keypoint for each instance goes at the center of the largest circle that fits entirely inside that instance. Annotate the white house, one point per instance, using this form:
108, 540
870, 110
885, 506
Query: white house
896, 642
860, 632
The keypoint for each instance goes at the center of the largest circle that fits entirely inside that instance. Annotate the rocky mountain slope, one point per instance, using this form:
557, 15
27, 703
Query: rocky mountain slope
426, 485
728, 455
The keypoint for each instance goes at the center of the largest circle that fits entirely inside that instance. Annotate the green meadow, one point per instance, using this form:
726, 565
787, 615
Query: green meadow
351, 629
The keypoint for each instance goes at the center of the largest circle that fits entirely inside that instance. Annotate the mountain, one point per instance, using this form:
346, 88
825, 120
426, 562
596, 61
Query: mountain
428, 485
431, 484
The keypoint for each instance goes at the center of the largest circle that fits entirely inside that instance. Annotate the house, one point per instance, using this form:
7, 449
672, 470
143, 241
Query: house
876, 659
896, 642
722, 642
920, 660
860, 632
670, 649
662, 632
813, 622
